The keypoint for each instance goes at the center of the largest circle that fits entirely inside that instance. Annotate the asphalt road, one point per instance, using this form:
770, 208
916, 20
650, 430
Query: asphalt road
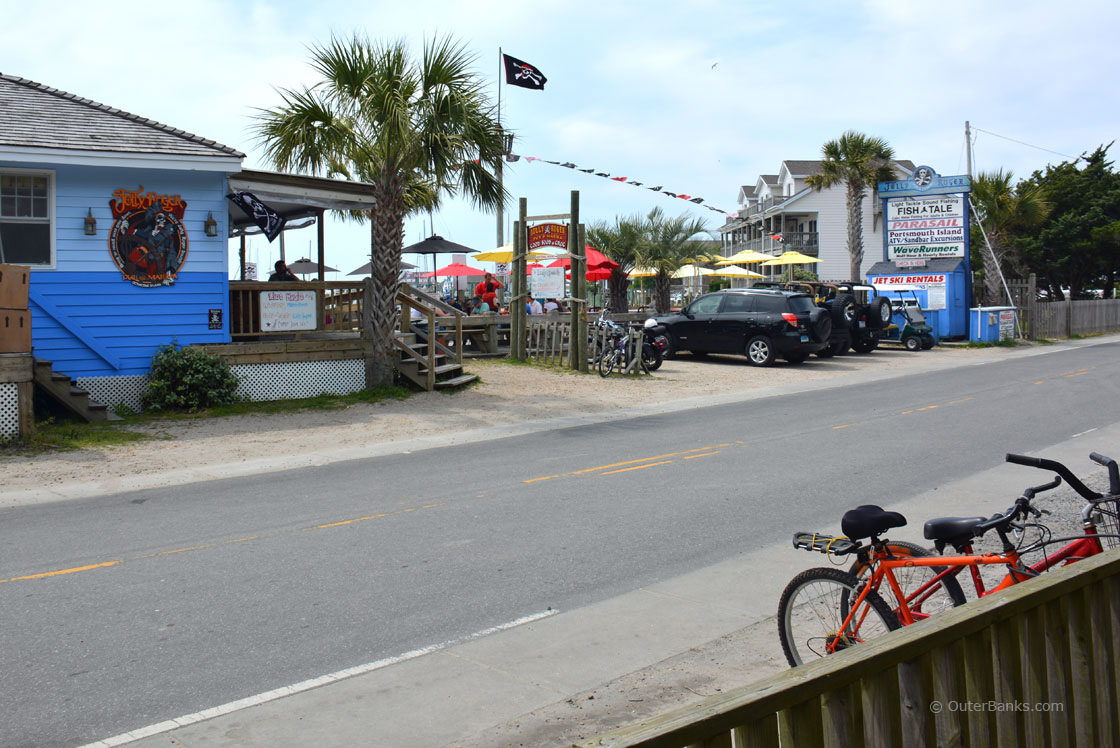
144, 606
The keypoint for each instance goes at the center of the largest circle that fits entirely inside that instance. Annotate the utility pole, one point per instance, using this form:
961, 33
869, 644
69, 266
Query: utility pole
501, 239
968, 149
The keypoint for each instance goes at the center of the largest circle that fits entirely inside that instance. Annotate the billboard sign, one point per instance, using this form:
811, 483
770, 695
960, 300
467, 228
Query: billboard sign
921, 228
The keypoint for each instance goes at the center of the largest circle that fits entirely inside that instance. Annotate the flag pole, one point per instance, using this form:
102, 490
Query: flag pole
501, 157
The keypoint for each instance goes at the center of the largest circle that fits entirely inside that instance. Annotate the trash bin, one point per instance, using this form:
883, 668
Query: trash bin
991, 324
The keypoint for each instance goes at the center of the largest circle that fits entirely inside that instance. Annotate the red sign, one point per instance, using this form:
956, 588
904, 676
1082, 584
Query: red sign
548, 235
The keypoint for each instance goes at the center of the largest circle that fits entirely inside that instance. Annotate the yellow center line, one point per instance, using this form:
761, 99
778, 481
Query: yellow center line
350, 521
962, 400
846, 425
706, 454
60, 572
638, 467
630, 462
928, 407
1040, 382
1078, 374
906, 412
646, 459
183, 550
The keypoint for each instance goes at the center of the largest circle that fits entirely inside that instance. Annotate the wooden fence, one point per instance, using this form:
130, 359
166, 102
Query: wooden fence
1035, 665
1061, 319
549, 339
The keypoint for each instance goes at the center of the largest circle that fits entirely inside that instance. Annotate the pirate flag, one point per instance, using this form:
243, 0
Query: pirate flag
519, 73
270, 222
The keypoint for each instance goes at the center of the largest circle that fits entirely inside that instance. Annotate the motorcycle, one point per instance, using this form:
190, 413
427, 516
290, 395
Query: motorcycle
657, 337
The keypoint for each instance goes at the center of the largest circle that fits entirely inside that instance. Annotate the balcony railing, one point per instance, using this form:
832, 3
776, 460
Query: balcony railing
805, 242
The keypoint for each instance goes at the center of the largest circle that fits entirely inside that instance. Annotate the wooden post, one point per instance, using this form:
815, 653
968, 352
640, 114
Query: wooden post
321, 238
520, 282
574, 249
579, 331
241, 256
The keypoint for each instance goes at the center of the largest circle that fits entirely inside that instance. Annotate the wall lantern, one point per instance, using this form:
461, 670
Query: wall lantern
210, 225
90, 223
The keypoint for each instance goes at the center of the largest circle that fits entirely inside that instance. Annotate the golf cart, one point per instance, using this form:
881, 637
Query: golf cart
909, 325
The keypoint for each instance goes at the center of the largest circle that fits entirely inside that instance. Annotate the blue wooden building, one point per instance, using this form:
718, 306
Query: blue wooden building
75, 175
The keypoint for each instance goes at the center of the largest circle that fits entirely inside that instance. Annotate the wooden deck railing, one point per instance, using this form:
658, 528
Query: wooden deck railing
1034, 665
337, 307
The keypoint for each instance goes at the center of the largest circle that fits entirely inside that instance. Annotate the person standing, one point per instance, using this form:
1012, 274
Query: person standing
488, 290
535, 307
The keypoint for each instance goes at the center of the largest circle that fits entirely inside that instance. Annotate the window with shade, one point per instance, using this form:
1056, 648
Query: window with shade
25, 218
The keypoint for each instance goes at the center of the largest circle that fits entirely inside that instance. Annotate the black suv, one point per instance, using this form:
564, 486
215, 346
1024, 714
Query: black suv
758, 323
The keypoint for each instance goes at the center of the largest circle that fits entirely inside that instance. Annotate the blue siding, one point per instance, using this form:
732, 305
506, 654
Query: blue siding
91, 321
125, 322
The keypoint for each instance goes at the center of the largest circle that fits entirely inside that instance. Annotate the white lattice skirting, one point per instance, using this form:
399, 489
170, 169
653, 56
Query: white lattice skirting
297, 379
9, 411
113, 392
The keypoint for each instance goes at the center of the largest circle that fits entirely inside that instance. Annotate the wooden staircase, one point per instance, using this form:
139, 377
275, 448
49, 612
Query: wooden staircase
430, 349
63, 390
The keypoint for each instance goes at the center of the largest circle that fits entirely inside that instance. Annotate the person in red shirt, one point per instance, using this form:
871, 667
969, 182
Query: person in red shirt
488, 290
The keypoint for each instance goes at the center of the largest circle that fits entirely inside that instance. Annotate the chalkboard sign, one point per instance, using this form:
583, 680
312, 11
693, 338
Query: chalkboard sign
287, 310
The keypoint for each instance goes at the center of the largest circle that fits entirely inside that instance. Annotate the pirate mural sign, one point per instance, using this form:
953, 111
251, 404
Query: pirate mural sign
147, 240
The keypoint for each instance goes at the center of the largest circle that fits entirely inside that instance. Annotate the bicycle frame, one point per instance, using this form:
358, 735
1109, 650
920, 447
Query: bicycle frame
883, 571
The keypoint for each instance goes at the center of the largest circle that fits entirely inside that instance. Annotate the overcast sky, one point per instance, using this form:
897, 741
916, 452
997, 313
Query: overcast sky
700, 97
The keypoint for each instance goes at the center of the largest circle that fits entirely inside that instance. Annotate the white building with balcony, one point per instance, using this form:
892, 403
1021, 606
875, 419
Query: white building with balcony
780, 212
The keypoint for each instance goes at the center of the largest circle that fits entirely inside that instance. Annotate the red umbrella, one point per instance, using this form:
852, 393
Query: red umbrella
532, 266
595, 260
598, 274
455, 269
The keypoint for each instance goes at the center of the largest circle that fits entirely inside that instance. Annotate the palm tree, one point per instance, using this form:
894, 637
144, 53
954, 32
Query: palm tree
669, 246
623, 243
858, 161
413, 129
1004, 211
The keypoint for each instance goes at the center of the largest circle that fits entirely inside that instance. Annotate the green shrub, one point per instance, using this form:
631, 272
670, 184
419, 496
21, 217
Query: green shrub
188, 379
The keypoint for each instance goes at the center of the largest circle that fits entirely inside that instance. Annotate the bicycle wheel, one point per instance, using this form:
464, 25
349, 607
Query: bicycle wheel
812, 610
947, 594
606, 363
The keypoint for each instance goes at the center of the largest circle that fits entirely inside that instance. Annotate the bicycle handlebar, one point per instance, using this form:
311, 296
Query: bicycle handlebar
1074, 482
1113, 471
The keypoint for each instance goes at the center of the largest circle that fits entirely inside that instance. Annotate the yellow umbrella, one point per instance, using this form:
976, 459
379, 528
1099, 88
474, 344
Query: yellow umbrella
747, 255
505, 254
642, 273
791, 258
737, 272
691, 271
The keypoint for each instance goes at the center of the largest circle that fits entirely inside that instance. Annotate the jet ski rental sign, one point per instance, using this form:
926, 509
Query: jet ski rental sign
923, 219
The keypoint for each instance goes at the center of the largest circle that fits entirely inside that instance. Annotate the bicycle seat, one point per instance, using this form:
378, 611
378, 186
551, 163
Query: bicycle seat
952, 529
867, 520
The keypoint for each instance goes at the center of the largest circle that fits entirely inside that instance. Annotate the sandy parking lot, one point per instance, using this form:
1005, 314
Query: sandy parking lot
508, 395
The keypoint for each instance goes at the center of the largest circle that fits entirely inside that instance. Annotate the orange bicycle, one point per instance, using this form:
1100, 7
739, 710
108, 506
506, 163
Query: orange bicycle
825, 610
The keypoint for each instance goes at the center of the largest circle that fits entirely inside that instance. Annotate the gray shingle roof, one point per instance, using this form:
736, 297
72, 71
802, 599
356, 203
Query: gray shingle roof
748, 190
769, 178
803, 168
37, 116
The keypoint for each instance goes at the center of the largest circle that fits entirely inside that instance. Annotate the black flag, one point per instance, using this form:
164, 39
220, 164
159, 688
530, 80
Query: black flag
270, 222
519, 73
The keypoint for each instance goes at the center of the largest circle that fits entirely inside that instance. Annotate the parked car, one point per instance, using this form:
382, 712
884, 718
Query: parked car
858, 314
761, 324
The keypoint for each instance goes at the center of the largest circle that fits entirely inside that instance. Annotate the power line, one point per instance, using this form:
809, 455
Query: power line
1020, 142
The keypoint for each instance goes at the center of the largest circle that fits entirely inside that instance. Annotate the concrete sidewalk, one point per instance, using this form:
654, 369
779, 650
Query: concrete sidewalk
570, 675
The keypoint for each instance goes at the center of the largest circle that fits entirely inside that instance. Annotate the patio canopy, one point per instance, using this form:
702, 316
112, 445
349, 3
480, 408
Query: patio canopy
301, 200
